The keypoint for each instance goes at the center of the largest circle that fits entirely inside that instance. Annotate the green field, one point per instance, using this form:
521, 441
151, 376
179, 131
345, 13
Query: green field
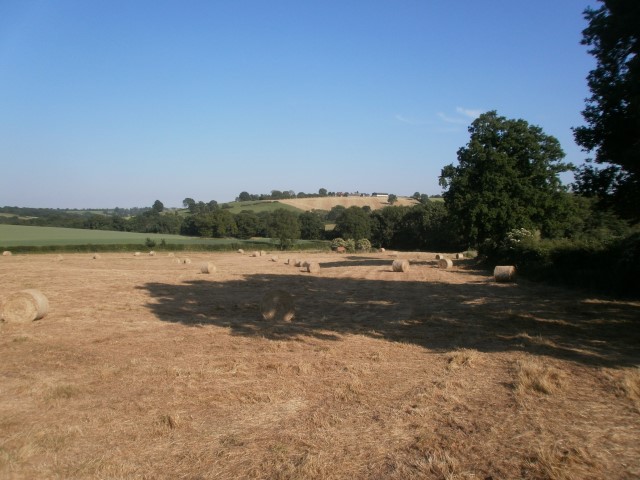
258, 206
16, 236
19, 235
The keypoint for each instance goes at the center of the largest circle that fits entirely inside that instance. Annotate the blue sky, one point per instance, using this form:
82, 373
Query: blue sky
109, 103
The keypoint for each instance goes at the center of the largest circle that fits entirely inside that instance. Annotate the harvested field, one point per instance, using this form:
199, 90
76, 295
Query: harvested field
145, 368
327, 203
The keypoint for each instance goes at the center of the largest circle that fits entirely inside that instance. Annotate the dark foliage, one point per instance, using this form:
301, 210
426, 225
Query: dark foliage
612, 113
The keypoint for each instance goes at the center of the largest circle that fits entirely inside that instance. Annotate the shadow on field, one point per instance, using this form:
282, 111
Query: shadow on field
485, 316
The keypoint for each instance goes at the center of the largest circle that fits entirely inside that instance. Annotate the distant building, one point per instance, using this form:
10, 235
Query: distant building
375, 194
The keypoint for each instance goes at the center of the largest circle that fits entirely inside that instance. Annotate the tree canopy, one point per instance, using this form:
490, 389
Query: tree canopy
311, 226
283, 225
612, 113
158, 206
506, 178
353, 222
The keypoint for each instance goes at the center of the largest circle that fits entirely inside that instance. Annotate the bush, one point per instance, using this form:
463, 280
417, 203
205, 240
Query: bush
611, 266
363, 245
350, 245
338, 242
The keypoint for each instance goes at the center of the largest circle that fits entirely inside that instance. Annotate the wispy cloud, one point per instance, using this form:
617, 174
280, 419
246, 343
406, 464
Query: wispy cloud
461, 117
471, 113
408, 120
448, 119
451, 129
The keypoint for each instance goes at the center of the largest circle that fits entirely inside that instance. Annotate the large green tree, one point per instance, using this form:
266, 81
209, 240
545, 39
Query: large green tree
218, 223
247, 223
311, 226
158, 206
283, 225
506, 178
385, 224
354, 223
426, 227
612, 113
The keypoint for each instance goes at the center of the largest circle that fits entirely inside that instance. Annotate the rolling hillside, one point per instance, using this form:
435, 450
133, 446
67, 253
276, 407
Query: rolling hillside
327, 203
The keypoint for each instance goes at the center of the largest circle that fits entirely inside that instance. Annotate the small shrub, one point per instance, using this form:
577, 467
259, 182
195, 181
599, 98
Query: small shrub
363, 245
150, 243
338, 242
350, 245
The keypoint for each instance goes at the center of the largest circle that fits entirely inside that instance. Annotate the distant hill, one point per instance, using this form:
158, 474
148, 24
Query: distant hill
327, 203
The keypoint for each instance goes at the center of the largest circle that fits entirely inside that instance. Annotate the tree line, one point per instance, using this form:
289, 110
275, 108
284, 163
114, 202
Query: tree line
289, 194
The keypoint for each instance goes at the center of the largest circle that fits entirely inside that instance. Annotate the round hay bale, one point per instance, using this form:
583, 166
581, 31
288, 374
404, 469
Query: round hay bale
25, 306
459, 256
504, 273
152, 253
400, 265
255, 254
186, 261
96, 256
297, 262
304, 264
277, 305
313, 267
137, 254
207, 267
274, 258
262, 253
439, 256
382, 250
240, 251
6, 253
171, 254
178, 260
445, 263
341, 250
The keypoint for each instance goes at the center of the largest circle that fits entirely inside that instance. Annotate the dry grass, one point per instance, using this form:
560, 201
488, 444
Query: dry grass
327, 203
461, 358
277, 305
148, 369
626, 382
533, 376
631, 386
559, 462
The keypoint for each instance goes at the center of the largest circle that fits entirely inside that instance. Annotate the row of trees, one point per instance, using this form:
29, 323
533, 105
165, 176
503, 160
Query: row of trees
288, 194
282, 195
423, 226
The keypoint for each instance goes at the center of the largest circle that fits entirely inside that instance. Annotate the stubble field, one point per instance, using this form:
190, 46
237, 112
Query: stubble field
145, 368
327, 203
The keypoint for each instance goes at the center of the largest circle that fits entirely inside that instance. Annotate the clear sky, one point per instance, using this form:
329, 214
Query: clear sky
107, 103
